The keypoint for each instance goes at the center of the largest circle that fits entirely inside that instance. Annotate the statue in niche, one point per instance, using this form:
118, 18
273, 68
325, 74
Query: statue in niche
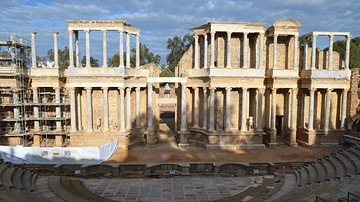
251, 123
167, 91
98, 123
318, 122
219, 121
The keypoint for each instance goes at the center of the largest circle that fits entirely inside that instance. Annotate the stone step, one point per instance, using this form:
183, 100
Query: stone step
16, 179
321, 172
6, 177
3, 167
303, 177
312, 173
355, 159
27, 181
289, 183
58, 188
348, 163
330, 169
43, 189
339, 167
355, 150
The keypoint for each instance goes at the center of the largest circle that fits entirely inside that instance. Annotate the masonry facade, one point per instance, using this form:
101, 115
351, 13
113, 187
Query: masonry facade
240, 85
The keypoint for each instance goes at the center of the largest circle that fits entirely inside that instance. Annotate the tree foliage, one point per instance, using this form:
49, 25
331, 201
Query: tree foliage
93, 62
340, 47
177, 46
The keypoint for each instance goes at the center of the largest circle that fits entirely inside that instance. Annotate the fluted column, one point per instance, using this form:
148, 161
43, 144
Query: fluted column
228, 51
56, 55
137, 51
57, 109
303, 105
273, 116
296, 43
212, 108
71, 50
243, 109
327, 109
87, 35
311, 109
33, 49
128, 50
245, 50
137, 97
205, 107
275, 52
104, 49
313, 55
78, 101
121, 47
212, 49
261, 51
205, 51
89, 109
306, 54
196, 107
106, 108
227, 110
196, 52
150, 107
72, 110
128, 108
183, 126
330, 51
122, 110
347, 51
36, 108
293, 117
343, 108
260, 112
77, 52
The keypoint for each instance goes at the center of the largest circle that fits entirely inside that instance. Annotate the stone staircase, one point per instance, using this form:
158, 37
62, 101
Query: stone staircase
330, 178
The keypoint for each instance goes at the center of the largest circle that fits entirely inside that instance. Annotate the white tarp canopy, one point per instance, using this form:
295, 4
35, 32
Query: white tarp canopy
58, 155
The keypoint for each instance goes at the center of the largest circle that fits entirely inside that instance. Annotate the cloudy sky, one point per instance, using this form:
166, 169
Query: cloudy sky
160, 20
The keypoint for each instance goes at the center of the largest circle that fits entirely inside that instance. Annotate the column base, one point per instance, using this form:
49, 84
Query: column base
184, 137
273, 135
293, 138
311, 137
150, 137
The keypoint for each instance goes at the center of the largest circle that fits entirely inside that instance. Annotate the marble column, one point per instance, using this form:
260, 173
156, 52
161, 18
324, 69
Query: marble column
306, 53
106, 108
71, 50
150, 107
128, 108
137, 51
330, 51
72, 110
260, 112
275, 52
228, 51
196, 52
137, 97
128, 50
183, 125
311, 109
87, 35
303, 106
261, 51
77, 52
343, 108
212, 109
313, 55
227, 110
57, 109
296, 42
196, 107
205, 107
78, 101
56, 50
212, 50
89, 109
121, 47
294, 92
122, 109
273, 117
347, 52
104, 49
36, 109
327, 109
33, 49
243, 109
205, 51
245, 50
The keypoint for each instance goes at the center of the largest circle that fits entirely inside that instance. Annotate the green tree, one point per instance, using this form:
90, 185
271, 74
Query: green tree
93, 62
177, 46
340, 47
63, 56
114, 61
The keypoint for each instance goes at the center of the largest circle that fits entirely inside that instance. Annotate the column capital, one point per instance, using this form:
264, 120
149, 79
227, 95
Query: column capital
331, 36
103, 31
295, 90
348, 37
296, 35
137, 89
328, 90
88, 89
196, 36
70, 31
245, 33
314, 35
55, 33
56, 88
137, 36
312, 90
105, 88
128, 33
87, 30
71, 89
205, 35
128, 89
33, 33
275, 35
261, 90
212, 88
228, 88
121, 88
274, 90
212, 32
195, 88
228, 33
346, 90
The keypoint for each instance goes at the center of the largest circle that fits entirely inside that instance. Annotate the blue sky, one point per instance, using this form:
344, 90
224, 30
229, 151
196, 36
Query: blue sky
160, 20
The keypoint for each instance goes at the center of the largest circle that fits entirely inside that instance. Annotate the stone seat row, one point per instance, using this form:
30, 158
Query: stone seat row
329, 178
14, 177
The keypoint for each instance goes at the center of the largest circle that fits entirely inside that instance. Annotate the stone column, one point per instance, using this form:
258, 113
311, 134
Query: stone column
106, 108
205, 51
327, 110
33, 49
260, 112
128, 50
227, 111
137, 51
313, 56
89, 109
243, 109
150, 136
245, 50
347, 52
287, 111
72, 110
122, 110
57, 109
306, 54
196, 107
71, 50
104, 49
311, 109
343, 109
196, 52
138, 123
330, 51
205, 107
303, 105
128, 108
261, 51
296, 42
228, 51
275, 52
79, 117
273, 116
56, 55
293, 117
121, 44
36, 109
212, 109
87, 34
77, 62
183, 125
212, 49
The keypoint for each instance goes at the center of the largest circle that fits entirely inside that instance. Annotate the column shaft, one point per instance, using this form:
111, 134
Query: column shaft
347, 52
122, 110
275, 52
104, 49
227, 112
205, 51
79, 117
137, 51
261, 51
87, 34
138, 123
228, 51
71, 50
57, 109
343, 109
243, 109
205, 107
311, 110
183, 126
72, 110
150, 107
212, 49
212, 108
89, 109
294, 92
296, 65
106, 108
36, 108
196, 52
128, 50
273, 109
306, 54
56, 55
327, 109
330, 51
260, 112
245, 50
128, 108
313, 56
33, 49
77, 52
121, 44
196, 107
